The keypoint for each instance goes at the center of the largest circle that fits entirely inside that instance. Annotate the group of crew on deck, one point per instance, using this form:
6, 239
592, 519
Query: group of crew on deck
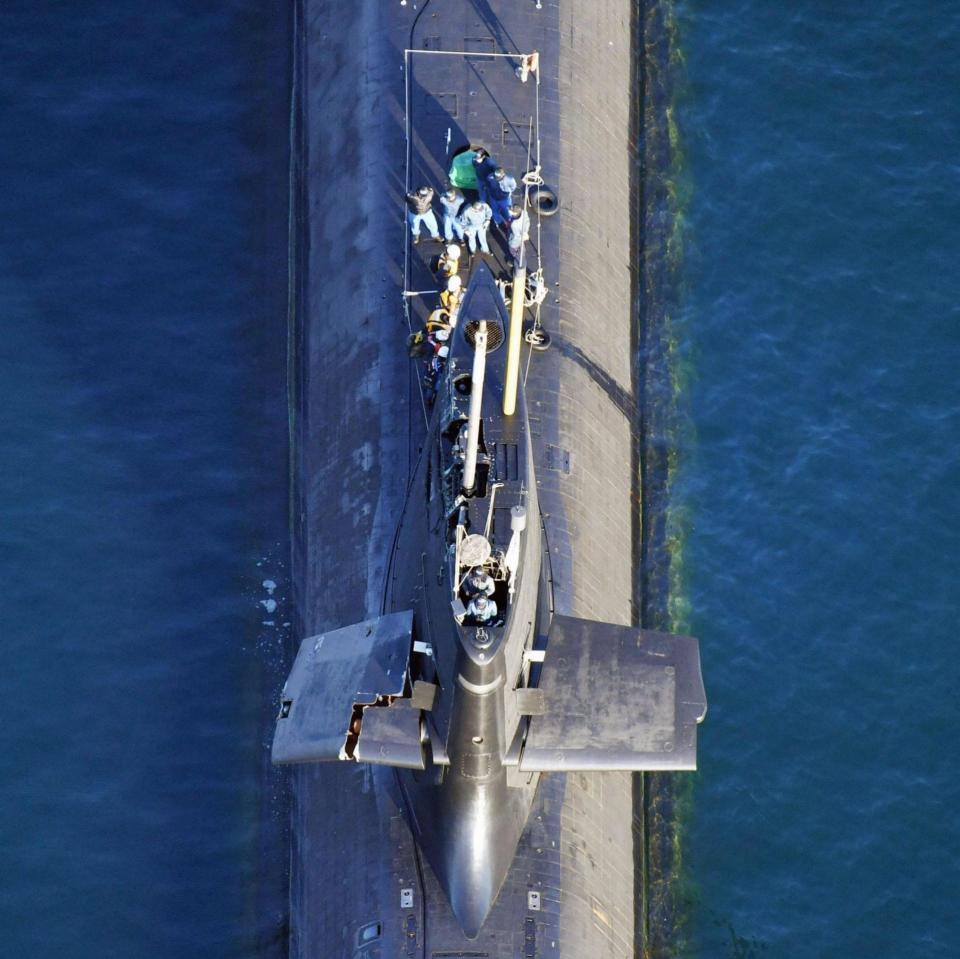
470, 221
463, 220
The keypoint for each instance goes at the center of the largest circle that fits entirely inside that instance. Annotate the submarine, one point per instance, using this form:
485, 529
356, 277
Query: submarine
476, 688
470, 683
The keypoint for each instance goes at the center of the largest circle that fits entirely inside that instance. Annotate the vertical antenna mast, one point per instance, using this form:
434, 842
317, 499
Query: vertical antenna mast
476, 398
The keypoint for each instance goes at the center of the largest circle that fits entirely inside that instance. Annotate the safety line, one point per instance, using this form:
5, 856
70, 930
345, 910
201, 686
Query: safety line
465, 53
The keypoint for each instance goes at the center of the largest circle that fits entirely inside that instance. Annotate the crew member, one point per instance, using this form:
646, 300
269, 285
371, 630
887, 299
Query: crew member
449, 263
439, 319
519, 231
475, 219
482, 610
432, 376
450, 296
483, 166
480, 582
500, 187
450, 203
420, 210
438, 339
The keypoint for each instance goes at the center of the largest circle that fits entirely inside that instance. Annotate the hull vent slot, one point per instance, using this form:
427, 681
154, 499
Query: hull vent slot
506, 456
494, 334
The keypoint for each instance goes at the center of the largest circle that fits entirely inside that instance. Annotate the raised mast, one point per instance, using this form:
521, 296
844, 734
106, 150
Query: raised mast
476, 401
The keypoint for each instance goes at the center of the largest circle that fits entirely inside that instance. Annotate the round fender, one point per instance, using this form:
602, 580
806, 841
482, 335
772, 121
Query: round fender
544, 201
538, 338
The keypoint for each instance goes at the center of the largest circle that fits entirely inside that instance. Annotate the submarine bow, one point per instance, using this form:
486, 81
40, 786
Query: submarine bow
468, 683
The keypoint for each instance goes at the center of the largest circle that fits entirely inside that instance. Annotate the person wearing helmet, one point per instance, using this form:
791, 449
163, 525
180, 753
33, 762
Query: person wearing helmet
480, 582
500, 187
420, 210
449, 263
475, 219
518, 232
450, 202
482, 610
438, 340
450, 297
439, 319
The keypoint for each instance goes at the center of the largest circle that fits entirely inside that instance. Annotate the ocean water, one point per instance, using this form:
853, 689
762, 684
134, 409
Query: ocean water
818, 499
143, 464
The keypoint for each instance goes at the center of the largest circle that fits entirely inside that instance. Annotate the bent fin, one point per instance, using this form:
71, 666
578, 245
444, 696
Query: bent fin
337, 679
616, 697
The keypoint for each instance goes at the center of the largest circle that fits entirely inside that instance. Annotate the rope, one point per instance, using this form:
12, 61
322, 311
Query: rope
538, 169
525, 179
539, 182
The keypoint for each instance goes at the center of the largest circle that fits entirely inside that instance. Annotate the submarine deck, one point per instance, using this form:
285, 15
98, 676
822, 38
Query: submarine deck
358, 423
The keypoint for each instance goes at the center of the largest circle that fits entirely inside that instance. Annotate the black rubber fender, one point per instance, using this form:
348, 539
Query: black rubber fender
538, 338
543, 200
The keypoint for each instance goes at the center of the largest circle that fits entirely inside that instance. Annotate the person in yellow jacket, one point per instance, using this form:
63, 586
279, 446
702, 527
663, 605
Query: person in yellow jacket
450, 296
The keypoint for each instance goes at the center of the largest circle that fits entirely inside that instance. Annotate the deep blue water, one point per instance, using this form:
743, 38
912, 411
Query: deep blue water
143, 479
819, 495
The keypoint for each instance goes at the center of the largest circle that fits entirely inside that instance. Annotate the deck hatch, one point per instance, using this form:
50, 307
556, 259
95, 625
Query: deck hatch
506, 456
557, 458
479, 48
515, 131
443, 105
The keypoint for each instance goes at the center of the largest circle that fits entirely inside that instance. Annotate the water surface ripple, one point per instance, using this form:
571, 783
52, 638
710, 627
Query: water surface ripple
822, 484
142, 441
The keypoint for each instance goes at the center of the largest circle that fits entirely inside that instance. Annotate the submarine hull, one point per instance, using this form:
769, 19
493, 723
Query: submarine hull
572, 886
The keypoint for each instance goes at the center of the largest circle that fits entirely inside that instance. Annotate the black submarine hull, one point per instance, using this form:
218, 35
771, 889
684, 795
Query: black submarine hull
357, 430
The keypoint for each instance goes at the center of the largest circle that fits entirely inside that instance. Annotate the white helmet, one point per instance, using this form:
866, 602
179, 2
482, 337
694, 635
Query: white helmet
442, 335
454, 283
443, 352
453, 251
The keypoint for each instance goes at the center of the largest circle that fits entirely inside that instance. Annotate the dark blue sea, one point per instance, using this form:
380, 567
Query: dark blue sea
143, 476
818, 499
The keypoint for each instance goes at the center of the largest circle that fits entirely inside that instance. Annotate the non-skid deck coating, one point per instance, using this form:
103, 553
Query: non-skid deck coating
359, 421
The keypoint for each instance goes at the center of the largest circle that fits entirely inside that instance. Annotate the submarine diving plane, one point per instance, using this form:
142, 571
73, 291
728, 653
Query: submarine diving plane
469, 683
